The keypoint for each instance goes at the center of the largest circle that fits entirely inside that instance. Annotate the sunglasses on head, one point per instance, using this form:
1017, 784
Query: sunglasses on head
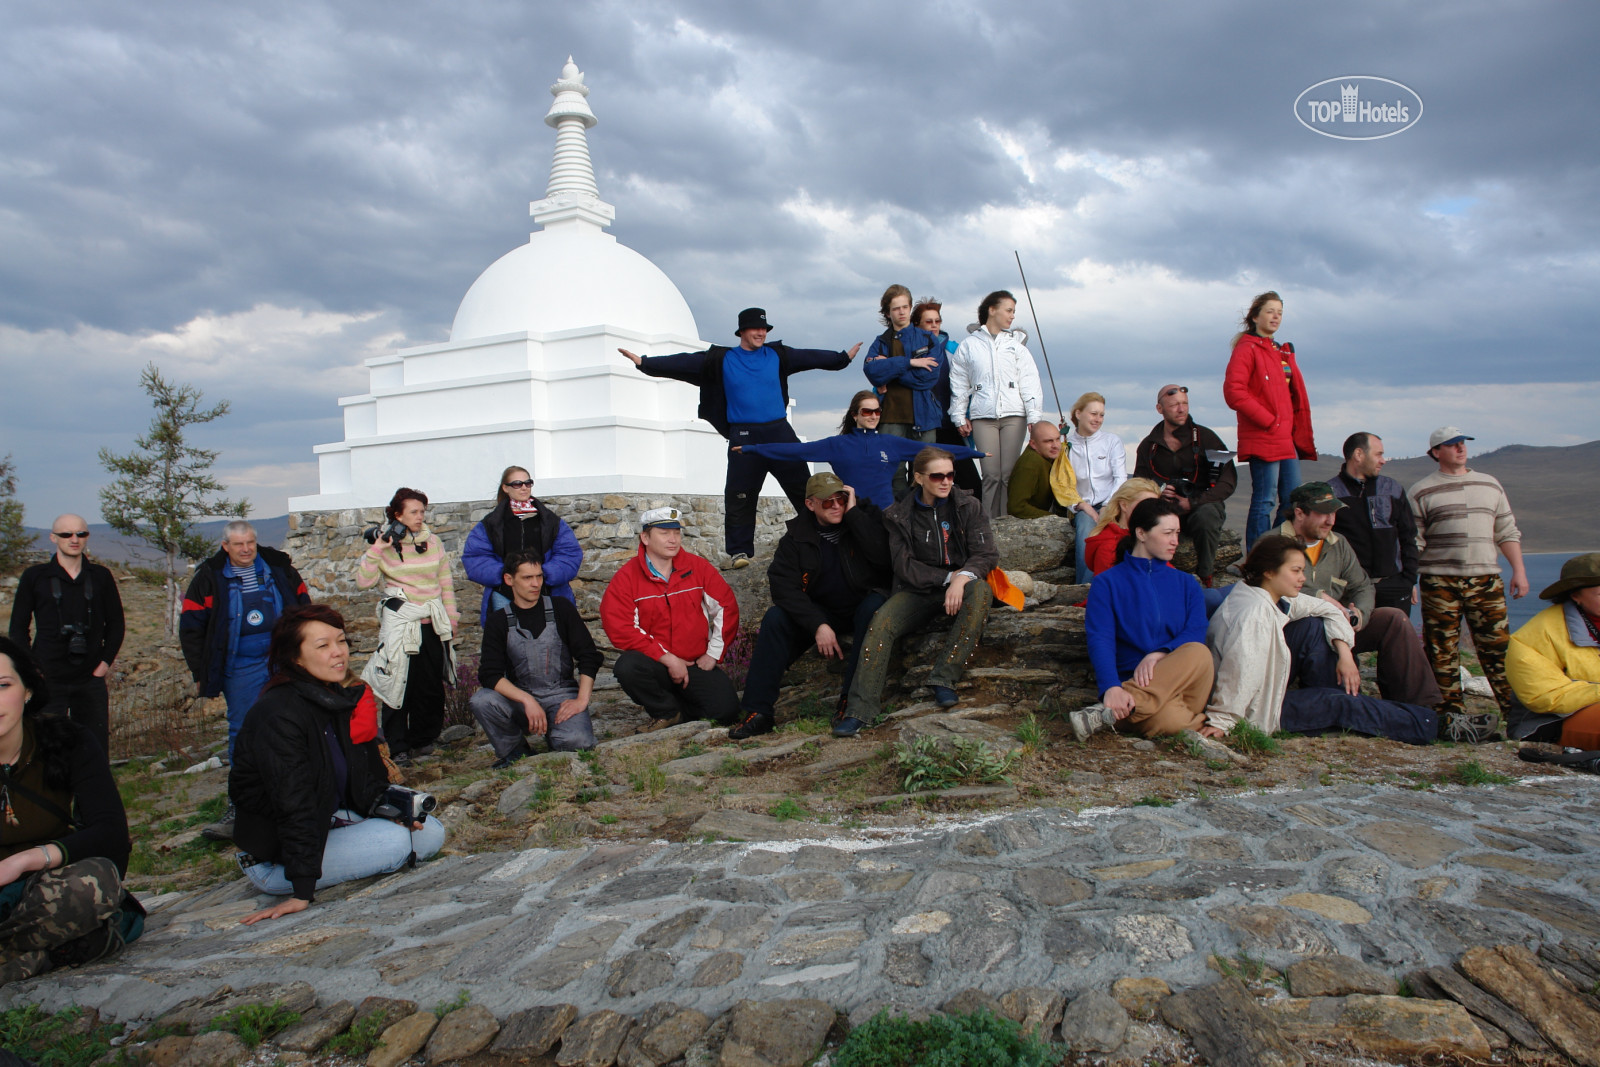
940, 476
1184, 389
519, 484
70, 535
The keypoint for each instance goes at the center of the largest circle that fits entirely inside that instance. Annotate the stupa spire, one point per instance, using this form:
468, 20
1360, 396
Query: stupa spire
572, 195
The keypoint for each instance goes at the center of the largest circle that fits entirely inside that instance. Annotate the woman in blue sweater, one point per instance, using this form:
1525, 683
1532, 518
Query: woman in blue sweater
1146, 626
861, 456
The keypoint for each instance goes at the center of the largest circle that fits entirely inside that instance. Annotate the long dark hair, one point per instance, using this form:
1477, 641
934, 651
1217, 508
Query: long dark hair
54, 735
500, 494
849, 423
1146, 514
991, 301
288, 633
1268, 554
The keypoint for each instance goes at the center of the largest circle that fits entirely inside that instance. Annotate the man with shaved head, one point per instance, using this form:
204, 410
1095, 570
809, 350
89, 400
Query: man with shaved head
74, 613
1195, 471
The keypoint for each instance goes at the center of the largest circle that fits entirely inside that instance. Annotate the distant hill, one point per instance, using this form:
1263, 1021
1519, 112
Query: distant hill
107, 546
1553, 490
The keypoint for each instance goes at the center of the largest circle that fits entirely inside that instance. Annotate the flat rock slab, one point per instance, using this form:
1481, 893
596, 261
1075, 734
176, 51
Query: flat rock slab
594, 1040
945, 730
317, 1028
462, 1033
1338, 909
1446, 983
1383, 1025
713, 761
776, 1033
1337, 976
751, 826
534, 1031
1514, 974
1410, 844
403, 1040
1229, 1028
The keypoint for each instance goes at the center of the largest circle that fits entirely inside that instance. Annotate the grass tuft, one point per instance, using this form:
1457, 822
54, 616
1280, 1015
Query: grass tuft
976, 1040
788, 808
254, 1023
1152, 800
1471, 772
1030, 733
1249, 738
361, 1038
925, 764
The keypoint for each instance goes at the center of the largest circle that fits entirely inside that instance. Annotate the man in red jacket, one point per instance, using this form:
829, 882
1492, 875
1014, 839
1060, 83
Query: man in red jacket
671, 615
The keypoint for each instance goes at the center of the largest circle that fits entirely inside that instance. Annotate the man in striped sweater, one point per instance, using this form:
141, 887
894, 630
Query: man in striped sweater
1463, 517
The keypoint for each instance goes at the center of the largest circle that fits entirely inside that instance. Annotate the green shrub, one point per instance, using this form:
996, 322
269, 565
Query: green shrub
786, 809
361, 1038
1248, 738
976, 1040
53, 1040
254, 1023
1030, 733
1471, 772
463, 997
925, 764
1152, 800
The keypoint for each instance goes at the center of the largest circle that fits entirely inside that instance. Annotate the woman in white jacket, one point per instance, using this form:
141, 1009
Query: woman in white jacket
1101, 464
995, 394
1254, 664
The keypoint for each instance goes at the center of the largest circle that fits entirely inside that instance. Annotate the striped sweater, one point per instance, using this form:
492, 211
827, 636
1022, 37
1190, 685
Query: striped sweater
424, 574
1460, 520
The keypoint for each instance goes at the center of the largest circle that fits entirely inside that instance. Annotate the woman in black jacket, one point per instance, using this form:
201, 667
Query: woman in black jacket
63, 834
942, 549
307, 773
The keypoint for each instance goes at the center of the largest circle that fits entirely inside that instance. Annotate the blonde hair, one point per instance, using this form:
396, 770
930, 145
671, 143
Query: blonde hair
1125, 494
1082, 402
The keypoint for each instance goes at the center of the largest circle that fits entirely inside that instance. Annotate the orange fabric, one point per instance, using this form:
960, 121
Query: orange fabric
1003, 590
1314, 552
1581, 729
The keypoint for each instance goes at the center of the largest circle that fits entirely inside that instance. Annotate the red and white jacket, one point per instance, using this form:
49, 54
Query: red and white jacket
1274, 412
691, 615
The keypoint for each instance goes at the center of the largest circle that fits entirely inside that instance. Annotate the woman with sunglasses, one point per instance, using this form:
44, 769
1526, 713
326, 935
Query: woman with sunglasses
859, 454
519, 522
1263, 384
942, 549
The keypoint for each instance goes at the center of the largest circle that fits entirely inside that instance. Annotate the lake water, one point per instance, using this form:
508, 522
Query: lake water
1543, 568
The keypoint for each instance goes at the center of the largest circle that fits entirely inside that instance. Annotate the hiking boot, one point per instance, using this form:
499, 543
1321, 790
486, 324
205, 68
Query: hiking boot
1086, 721
661, 724
222, 829
1465, 728
755, 724
510, 757
944, 696
847, 726
739, 562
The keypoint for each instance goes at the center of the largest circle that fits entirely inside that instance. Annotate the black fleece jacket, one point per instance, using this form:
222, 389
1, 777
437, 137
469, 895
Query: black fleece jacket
863, 550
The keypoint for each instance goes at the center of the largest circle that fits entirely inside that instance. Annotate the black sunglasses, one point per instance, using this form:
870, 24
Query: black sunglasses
81, 535
940, 476
869, 411
519, 485
1184, 389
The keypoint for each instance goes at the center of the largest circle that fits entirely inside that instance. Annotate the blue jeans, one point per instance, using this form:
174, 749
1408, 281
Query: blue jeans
242, 682
1321, 705
365, 848
1082, 527
1282, 475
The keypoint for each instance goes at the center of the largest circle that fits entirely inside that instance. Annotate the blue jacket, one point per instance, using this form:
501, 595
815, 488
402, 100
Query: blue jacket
204, 629
864, 459
703, 370
1138, 607
484, 553
930, 388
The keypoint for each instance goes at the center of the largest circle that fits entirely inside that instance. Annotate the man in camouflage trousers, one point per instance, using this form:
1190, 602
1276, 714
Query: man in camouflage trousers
1463, 518
59, 917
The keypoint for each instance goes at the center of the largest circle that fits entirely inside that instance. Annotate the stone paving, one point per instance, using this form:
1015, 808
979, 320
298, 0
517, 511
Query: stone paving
1070, 902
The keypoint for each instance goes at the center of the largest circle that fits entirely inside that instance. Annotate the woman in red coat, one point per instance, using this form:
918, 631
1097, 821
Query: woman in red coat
1264, 386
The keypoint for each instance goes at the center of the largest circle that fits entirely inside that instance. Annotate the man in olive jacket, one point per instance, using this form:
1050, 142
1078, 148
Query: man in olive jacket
830, 573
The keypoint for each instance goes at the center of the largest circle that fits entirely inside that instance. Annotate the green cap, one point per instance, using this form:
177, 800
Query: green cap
1315, 496
823, 485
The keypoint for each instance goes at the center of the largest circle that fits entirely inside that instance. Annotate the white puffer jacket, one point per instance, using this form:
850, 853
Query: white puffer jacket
992, 376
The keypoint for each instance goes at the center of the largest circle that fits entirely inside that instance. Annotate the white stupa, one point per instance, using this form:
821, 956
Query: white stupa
531, 374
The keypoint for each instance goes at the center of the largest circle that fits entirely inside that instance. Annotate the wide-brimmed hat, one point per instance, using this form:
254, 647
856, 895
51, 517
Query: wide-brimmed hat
753, 319
1579, 572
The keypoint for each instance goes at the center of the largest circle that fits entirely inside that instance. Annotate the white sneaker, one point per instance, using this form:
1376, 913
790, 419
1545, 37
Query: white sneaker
1086, 721
739, 561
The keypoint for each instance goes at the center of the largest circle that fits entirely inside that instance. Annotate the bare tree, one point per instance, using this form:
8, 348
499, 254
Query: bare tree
15, 541
163, 488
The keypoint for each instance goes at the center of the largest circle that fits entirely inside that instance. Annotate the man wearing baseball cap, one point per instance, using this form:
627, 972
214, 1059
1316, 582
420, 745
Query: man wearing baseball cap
1335, 574
744, 393
1554, 660
829, 574
670, 615
1463, 517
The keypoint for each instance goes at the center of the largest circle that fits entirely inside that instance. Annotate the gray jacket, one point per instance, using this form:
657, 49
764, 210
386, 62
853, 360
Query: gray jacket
1338, 573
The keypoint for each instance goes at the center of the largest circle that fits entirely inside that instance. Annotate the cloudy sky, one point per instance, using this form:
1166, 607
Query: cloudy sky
258, 202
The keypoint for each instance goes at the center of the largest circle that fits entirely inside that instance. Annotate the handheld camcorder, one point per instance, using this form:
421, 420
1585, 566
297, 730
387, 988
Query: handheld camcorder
407, 805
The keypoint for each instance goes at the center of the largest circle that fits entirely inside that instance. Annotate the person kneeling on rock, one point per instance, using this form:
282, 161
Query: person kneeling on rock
527, 665
829, 575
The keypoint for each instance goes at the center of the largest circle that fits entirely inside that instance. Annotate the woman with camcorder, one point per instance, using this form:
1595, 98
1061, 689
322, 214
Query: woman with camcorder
315, 807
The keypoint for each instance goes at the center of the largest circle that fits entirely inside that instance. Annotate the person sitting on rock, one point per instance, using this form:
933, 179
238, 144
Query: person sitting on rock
671, 615
942, 549
532, 648
1042, 483
829, 575
64, 836
1195, 472
1100, 548
1334, 574
1553, 663
1255, 664
308, 777
1146, 626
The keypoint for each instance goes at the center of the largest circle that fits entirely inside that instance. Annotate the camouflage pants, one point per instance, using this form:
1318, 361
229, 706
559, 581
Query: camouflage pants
902, 613
51, 908
1481, 602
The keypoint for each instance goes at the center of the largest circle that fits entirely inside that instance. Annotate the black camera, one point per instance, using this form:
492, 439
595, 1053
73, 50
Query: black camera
77, 636
407, 805
1185, 488
393, 532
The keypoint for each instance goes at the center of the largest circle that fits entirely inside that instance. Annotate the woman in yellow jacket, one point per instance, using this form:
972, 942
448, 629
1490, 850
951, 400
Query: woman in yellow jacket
1554, 660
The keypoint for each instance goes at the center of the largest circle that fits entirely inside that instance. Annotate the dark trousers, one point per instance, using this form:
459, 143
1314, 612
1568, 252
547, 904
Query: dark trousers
709, 694
782, 641
1395, 592
742, 490
418, 720
1321, 705
902, 613
86, 702
1203, 524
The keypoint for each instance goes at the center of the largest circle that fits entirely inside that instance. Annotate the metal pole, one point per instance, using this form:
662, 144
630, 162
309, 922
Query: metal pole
1035, 313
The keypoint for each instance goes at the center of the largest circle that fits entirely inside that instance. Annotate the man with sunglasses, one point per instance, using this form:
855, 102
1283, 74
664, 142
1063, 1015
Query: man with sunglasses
829, 575
74, 611
1194, 469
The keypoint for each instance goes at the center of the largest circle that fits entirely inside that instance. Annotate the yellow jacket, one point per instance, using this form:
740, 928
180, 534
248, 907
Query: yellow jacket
1553, 664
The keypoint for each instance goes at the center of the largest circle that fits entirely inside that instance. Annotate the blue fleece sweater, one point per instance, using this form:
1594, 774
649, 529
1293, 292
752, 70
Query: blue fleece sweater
864, 459
1138, 607
930, 388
